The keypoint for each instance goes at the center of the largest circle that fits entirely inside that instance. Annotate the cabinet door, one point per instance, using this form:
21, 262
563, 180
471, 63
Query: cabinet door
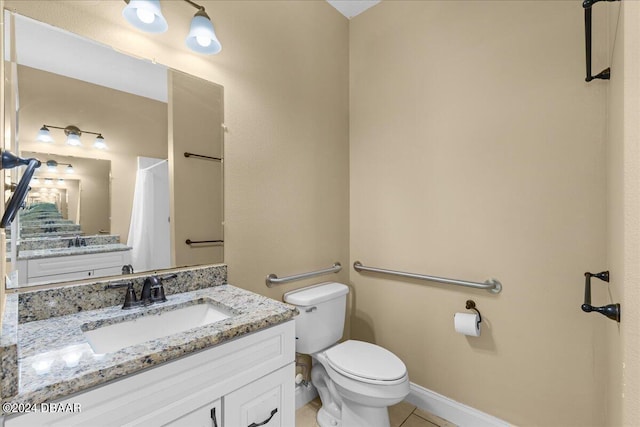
268, 401
206, 416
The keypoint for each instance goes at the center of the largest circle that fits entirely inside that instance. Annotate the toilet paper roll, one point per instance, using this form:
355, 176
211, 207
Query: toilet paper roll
467, 324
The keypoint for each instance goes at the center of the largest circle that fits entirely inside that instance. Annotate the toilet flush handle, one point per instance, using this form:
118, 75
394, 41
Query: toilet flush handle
310, 309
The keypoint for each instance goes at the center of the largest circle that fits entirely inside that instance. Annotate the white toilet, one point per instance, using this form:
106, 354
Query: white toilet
356, 380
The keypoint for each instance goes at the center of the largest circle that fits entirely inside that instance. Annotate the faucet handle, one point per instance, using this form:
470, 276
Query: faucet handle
130, 299
158, 291
158, 294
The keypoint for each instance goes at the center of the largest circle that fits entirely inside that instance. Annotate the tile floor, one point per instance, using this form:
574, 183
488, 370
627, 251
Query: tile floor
401, 415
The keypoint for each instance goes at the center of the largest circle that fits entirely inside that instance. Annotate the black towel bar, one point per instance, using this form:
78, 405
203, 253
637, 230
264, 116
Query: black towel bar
200, 156
606, 73
195, 242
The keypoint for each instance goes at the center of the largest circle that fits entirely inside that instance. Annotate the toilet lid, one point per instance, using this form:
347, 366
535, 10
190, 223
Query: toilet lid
365, 360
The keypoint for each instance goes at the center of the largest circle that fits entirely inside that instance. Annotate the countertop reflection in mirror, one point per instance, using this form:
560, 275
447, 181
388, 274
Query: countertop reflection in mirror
135, 202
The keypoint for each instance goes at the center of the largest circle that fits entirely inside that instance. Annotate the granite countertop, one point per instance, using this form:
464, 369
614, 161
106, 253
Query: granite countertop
79, 250
55, 359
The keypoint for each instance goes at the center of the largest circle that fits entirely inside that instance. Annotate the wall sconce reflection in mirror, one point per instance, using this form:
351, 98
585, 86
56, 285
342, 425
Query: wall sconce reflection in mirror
52, 166
73, 136
10, 161
146, 15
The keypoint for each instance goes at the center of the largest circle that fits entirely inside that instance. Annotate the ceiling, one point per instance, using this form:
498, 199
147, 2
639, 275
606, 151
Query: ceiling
351, 8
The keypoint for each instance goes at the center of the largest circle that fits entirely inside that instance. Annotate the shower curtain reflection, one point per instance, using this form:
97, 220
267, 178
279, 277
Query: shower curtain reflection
149, 233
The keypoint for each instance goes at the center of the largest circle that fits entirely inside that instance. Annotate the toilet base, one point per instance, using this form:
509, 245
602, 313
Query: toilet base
324, 419
354, 414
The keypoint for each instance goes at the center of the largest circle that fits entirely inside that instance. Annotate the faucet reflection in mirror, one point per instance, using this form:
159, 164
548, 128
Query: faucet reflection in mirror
73, 136
146, 15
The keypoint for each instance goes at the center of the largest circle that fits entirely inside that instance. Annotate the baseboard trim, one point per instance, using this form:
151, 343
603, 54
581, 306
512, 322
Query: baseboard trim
456, 412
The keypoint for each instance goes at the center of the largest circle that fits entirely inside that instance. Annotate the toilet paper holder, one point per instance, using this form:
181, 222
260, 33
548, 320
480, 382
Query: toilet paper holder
471, 305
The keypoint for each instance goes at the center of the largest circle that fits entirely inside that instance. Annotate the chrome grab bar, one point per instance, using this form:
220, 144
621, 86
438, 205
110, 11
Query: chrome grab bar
492, 285
273, 280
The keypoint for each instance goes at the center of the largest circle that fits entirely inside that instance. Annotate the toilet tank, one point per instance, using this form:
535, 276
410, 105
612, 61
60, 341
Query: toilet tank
320, 323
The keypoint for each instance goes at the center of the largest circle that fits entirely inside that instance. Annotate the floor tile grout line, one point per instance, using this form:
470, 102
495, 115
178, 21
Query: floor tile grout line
424, 419
407, 417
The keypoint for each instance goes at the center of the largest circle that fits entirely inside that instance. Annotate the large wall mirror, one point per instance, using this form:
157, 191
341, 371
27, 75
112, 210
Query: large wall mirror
131, 152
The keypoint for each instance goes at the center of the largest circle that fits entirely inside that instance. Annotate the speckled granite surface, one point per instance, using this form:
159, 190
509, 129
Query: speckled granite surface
9, 347
81, 250
55, 358
64, 300
52, 358
63, 242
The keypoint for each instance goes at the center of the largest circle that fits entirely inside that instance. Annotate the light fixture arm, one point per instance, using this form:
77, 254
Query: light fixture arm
196, 5
72, 129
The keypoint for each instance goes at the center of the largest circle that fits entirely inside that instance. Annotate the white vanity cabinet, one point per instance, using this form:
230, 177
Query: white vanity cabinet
34, 271
239, 383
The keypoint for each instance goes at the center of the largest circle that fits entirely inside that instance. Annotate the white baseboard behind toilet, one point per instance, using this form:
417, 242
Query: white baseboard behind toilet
456, 412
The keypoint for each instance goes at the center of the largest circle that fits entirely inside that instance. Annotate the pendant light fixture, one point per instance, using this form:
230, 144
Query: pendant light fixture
44, 135
73, 136
147, 16
202, 37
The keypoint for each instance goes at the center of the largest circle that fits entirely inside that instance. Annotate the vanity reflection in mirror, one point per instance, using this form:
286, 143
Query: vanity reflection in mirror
115, 186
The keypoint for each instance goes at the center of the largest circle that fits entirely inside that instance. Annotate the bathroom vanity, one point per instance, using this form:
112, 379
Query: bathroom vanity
233, 367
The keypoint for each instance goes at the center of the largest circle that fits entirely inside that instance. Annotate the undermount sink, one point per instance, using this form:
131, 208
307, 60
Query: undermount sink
110, 338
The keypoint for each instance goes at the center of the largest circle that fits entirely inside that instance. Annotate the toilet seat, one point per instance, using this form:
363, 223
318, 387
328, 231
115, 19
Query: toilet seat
366, 362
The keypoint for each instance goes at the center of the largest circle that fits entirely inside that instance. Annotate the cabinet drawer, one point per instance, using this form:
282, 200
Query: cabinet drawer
267, 402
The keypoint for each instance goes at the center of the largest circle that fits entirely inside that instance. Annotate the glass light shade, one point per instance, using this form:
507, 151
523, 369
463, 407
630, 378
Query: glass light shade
44, 135
69, 169
48, 181
52, 166
73, 139
60, 181
100, 143
35, 181
145, 15
202, 37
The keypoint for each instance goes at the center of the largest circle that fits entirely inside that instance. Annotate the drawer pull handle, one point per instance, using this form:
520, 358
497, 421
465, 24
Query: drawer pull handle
213, 417
265, 421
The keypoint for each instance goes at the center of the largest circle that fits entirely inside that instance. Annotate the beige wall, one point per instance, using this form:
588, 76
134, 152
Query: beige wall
196, 187
624, 215
476, 152
615, 211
